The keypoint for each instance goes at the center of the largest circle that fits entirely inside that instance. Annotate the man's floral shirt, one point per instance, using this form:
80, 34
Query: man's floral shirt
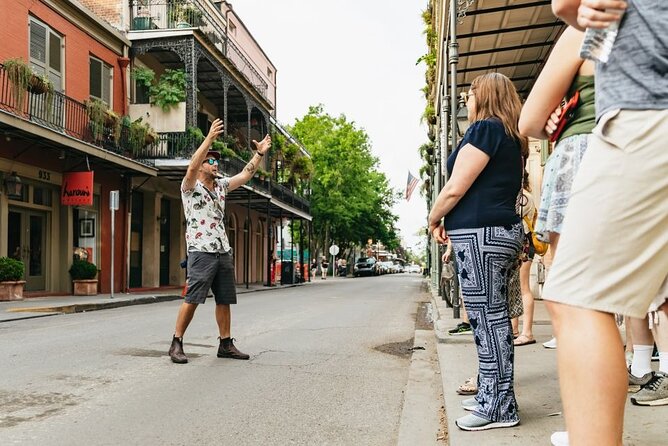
205, 217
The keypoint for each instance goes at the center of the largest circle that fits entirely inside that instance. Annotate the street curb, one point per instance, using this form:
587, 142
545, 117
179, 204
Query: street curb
80, 308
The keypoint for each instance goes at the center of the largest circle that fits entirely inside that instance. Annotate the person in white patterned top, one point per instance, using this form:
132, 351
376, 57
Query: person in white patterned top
210, 261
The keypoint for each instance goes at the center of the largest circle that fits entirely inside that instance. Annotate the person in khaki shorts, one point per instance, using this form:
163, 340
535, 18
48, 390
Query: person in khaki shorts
210, 261
613, 252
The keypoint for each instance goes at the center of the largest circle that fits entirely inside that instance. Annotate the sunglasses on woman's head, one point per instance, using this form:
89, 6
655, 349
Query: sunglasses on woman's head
211, 161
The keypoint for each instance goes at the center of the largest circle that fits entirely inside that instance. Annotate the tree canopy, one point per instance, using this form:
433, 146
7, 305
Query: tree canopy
351, 201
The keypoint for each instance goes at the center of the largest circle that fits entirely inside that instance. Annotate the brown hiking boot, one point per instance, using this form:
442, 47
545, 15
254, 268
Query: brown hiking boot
228, 350
176, 351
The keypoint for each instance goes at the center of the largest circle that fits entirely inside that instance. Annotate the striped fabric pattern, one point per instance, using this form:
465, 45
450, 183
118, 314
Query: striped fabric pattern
484, 260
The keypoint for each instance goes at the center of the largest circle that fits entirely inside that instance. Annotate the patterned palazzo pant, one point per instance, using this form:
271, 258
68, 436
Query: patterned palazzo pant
484, 261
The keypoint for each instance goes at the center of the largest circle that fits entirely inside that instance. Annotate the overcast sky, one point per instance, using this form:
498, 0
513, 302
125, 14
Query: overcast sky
356, 57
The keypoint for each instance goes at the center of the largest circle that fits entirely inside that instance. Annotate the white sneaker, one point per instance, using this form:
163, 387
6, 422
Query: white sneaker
552, 343
470, 404
559, 438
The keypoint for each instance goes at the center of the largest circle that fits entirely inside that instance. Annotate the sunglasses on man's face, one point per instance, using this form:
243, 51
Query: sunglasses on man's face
211, 161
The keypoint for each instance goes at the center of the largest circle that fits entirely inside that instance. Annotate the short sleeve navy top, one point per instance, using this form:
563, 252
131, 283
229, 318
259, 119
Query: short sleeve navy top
490, 201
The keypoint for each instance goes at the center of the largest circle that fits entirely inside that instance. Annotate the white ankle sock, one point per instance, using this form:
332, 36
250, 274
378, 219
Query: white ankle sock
642, 360
663, 362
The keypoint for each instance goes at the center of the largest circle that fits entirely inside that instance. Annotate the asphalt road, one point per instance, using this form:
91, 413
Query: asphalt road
329, 365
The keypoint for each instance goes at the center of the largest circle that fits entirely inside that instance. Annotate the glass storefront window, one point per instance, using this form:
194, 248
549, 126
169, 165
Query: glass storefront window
42, 196
86, 232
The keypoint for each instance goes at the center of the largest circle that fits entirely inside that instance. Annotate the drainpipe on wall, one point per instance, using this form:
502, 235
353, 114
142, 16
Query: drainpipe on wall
123, 62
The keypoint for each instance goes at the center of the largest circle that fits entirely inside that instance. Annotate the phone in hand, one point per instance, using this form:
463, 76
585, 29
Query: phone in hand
566, 114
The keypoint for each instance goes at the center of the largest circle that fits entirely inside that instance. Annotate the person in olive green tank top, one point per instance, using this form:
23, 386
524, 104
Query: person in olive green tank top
583, 117
563, 74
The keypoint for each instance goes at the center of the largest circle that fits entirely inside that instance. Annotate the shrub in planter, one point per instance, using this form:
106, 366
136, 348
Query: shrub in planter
11, 279
83, 270
11, 269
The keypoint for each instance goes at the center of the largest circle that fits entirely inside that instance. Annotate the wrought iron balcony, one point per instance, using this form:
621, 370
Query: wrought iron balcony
62, 114
181, 145
199, 14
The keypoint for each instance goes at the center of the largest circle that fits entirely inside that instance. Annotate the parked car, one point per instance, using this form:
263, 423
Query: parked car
415, 269
366, 266
390, 267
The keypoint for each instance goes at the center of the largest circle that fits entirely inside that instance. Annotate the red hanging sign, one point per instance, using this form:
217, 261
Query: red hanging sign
77, 189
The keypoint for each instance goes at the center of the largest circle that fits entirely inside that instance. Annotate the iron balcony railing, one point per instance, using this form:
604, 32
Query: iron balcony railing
200, 14
62, 114
181, 145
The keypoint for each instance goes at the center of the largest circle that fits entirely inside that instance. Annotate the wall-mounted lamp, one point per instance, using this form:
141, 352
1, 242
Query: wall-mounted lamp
14, 186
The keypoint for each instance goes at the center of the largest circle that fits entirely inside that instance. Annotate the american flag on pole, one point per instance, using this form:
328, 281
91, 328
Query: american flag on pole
410, 185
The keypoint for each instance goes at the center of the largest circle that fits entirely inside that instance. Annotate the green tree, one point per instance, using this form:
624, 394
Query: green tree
351, 201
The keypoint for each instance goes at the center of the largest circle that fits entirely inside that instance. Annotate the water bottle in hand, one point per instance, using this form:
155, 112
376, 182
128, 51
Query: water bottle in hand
597, 43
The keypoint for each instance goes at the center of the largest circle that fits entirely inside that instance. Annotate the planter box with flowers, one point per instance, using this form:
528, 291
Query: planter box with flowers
83, 278
11, 275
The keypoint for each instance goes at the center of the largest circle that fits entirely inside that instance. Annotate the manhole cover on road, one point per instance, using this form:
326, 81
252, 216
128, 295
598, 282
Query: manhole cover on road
401, 349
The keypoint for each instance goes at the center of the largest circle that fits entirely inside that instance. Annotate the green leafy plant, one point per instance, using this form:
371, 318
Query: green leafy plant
97, 113
429, 114
141, 135
227, 153
302, 167
11, 270
245, 155
83, 270
20, 75
290, 152
170, 89
143, 76
195, 133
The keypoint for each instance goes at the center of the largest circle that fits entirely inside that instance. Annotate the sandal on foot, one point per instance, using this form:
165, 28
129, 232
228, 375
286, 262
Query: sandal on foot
524, 340
470, 387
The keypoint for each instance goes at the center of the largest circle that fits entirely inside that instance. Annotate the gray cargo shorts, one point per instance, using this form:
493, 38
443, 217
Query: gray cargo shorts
210, 271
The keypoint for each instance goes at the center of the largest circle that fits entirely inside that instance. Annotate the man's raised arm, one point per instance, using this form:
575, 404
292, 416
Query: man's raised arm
200, 154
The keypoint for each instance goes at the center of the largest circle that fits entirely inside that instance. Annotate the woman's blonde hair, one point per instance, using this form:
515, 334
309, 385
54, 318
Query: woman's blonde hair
496, 97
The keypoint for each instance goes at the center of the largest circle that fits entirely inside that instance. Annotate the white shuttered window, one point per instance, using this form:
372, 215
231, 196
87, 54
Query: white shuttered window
46, 52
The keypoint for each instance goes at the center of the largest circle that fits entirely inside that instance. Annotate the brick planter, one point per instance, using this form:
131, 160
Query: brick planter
12, 290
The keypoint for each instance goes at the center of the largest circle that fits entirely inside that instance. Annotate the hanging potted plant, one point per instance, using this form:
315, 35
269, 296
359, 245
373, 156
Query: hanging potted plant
11, 279
20, 75
39, 84
83, 275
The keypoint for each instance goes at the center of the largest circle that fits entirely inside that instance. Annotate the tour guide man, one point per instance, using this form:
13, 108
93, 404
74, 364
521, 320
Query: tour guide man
210, 262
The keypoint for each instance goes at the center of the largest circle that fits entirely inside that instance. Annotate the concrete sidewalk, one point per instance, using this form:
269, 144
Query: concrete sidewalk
536, 388
35, 307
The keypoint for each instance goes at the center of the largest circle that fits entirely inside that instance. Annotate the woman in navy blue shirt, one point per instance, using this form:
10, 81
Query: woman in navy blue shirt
478, 203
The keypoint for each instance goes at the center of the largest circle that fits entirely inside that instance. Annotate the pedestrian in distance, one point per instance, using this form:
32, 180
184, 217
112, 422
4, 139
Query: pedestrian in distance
478, 203
210, 257
613, 249
314, 268
324, 264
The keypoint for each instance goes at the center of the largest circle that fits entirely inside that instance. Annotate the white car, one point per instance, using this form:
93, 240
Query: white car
415, 269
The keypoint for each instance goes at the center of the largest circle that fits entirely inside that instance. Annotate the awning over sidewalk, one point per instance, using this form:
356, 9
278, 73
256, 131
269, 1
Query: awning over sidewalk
509, 37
